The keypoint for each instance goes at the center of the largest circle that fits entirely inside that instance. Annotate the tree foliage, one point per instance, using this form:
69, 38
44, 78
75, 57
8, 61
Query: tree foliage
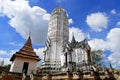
97, 55
7, 66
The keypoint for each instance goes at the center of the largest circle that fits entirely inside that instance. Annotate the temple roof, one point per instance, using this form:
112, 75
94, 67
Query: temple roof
73, 42
26, 51
82, 44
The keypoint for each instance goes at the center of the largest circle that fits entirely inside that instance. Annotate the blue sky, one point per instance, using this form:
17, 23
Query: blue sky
96, 20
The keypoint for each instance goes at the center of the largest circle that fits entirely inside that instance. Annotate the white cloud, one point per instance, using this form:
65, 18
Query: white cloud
97, 21
1, 8
39, 52
114, 39
2, 52
79, 35
15, 44
6, 56
70, 21
114, 46
111, 43
97, 44
113, 11
6, 60
118, 23
9, 53
25, 19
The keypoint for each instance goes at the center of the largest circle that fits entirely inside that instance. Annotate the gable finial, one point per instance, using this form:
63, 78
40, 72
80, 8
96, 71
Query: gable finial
73, 38
29, 33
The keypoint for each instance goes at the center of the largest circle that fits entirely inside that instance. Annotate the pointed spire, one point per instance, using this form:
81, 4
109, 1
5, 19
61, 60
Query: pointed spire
28, 45
73, 39
30, 32
111, 66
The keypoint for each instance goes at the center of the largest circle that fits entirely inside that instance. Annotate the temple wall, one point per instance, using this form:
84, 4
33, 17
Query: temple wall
59, 76
62, 57
80, 55
18, 63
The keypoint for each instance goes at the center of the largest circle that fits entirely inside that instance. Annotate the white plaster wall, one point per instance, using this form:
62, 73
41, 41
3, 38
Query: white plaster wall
80, 55
12, 66
62, 57
55, 53
17, 65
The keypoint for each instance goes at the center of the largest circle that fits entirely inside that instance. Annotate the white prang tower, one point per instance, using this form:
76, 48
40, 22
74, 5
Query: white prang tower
58, 36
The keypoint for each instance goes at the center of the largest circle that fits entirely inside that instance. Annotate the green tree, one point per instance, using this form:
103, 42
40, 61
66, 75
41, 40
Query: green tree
7, 66
97, 55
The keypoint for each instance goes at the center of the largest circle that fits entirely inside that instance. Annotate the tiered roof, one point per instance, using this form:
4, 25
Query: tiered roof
26, 52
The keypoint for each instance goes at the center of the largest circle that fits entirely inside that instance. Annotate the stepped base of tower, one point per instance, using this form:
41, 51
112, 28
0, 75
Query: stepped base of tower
50, 67
47, 67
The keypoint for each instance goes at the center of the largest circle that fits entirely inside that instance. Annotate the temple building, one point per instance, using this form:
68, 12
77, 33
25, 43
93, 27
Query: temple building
24, 60
63, 59
59, 53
